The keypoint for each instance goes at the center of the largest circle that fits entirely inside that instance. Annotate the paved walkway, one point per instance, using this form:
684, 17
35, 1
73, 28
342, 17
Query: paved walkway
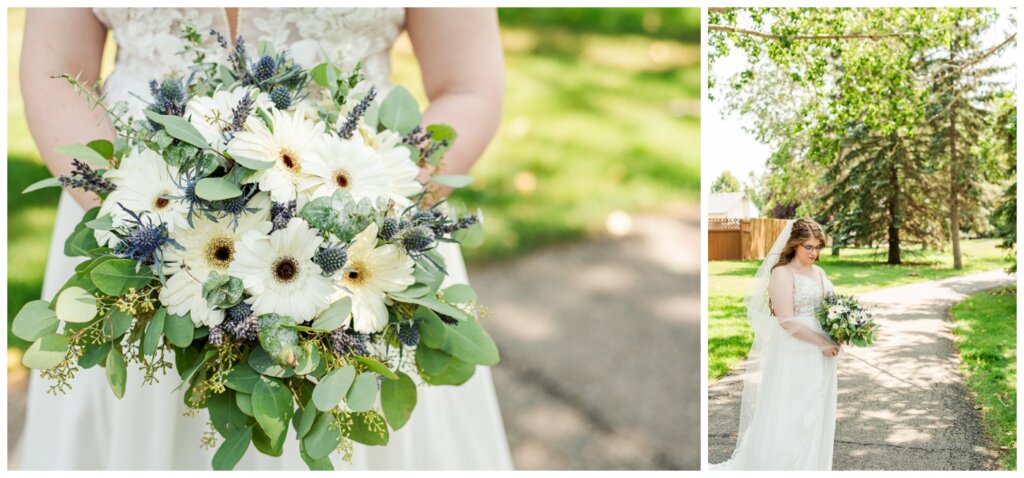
902, 402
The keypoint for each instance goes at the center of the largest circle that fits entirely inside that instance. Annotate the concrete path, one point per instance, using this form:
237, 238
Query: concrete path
902, 402
600, 345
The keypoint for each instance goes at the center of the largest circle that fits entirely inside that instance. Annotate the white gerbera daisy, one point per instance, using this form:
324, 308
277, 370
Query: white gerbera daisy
208, 247
370, 273
213, 115
349, 165
279, 272
395, 157
143, 183
287, 146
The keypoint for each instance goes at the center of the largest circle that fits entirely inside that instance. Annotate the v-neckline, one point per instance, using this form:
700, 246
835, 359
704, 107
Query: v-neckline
232, 27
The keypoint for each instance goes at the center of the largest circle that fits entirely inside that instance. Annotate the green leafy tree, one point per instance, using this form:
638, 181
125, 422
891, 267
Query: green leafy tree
726, 183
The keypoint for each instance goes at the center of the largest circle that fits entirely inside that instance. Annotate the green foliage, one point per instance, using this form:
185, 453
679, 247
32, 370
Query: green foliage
725, 183
222, 291
672, 23
986, 330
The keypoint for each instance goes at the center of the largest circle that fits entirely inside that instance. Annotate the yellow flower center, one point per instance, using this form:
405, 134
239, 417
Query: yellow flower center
342, 179
290, 160
220, 250
355, 275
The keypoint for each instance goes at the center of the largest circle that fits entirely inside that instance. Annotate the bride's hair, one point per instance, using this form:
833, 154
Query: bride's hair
803, 230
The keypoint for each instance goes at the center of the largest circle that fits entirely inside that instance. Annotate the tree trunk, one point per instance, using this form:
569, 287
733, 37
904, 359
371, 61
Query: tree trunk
954, 193
894, 208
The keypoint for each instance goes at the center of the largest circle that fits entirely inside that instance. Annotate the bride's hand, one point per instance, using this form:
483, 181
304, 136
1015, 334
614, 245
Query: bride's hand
831, 351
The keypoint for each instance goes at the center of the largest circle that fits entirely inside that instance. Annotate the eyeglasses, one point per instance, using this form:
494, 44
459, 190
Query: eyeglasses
813, 248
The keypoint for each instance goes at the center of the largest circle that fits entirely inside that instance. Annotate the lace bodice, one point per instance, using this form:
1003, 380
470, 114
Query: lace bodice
808, 293
149, 39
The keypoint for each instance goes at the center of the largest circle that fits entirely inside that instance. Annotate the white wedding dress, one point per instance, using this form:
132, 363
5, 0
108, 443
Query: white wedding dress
89, 428
792, 425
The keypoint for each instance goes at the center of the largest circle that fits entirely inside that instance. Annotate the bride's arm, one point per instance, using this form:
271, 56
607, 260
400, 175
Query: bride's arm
62, 40
459, 52
780, 291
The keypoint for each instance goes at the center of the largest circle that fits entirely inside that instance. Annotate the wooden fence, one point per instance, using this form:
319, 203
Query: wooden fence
742, 239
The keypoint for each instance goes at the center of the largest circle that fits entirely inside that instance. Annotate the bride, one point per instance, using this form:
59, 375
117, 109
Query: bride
459, 53
788, 411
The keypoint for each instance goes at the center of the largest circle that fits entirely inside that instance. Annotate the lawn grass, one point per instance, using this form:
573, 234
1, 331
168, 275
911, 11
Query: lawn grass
592, 124
985, 326
854, 271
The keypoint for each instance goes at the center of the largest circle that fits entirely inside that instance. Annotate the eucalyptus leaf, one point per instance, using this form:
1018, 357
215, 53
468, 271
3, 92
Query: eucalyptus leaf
304, 419
242, 378
253, 164
224, 412
94, 354
102, 223
334, 316
272, 408
116, 324
41, 184
76, 305
117, 372
232, 450
369, 428
459, 294
179, 329
154, 330
398, 399
83, 153
103, 147
244, 402
330, 390
440, 368
261, 362
46, 352
399, 111
34, 320
322, 438
178, 128
377, 367
115, 277
361, 396
216, 189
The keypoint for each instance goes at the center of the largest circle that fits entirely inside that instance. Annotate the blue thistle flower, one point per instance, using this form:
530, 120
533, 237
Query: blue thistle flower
330, 259
168, 96
281, 97
389, 228
143, 241
409, 334
241, 323
264, 69
417, 239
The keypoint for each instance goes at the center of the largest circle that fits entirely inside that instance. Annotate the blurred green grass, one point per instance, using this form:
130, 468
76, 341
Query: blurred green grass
854, 271
986, 331
593, 123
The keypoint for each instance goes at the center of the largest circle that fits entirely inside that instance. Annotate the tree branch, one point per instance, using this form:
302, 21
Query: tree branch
770, 36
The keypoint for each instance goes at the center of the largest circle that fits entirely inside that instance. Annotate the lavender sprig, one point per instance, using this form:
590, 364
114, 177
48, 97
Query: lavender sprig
352, 121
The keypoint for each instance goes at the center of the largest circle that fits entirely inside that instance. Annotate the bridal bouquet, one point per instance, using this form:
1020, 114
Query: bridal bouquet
846, 321
264, 226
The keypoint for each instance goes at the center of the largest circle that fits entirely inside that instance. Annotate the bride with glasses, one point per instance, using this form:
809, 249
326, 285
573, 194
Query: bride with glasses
788, 410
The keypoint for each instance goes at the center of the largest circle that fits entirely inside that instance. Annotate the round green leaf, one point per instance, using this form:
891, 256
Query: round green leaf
262, 363
76, 305
114, 277
399, 111
225, 413
308, 361
468, 341
117, 372
397, 400
47, 351
369, 428
363, 392
102, 146
440, 368
329, 392
216, 189
35, 320
272, 408
459, 294
116, 324
242, 378
179, 329
334, 316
